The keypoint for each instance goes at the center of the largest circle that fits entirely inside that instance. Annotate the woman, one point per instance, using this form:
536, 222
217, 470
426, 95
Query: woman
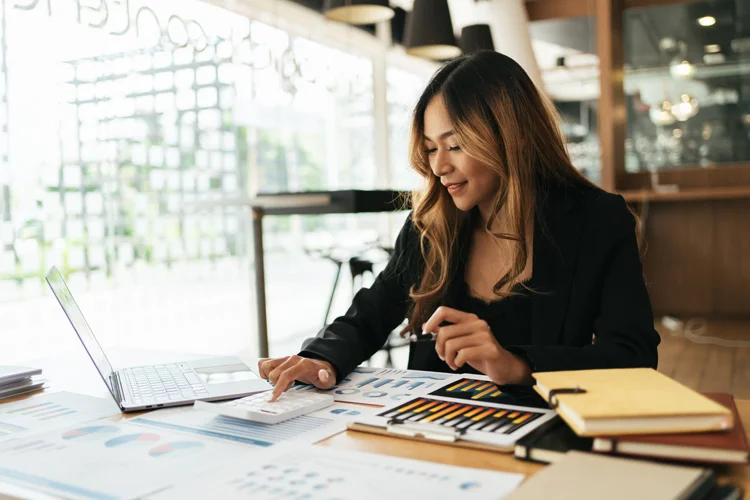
512, 259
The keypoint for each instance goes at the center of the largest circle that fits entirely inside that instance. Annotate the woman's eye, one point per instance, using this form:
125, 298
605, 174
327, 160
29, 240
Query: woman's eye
429, 151
455, 148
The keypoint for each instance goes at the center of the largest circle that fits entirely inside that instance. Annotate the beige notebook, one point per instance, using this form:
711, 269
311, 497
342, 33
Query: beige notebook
629, 401
585, 476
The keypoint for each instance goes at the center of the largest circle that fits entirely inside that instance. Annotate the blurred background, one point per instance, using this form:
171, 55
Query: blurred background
134, 136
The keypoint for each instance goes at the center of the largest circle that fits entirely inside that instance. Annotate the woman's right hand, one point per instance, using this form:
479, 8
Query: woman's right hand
282, 372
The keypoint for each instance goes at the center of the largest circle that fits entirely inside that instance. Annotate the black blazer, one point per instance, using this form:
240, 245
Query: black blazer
587, 275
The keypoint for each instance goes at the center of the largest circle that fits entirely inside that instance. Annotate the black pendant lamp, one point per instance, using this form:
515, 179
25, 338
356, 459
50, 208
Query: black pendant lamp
429, 31
476, 37
358, 11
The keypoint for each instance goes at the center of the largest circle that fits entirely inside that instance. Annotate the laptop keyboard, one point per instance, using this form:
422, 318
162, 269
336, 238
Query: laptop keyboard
164, 383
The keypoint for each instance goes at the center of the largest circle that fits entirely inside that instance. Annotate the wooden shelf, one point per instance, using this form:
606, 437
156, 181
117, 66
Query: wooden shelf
692, 194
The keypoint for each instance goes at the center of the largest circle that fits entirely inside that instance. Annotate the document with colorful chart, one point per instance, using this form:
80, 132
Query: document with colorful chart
382, 386
462, 410
47, 411
109, 460
309, 428
319, 473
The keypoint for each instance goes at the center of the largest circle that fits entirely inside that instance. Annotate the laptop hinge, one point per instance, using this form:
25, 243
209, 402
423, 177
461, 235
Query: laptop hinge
117, 388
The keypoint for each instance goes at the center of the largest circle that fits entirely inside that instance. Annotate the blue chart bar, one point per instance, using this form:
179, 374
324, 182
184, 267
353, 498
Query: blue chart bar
400, 383
383, 382
415, 385
368, 381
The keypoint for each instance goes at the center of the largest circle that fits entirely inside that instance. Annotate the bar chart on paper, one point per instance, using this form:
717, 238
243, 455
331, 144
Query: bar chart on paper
462, 416
50, 411
473, 390
382, 386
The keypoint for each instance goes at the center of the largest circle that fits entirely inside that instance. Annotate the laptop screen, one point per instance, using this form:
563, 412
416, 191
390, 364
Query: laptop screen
74, 314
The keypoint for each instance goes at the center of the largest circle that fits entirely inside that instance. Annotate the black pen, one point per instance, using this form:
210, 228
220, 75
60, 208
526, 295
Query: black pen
423, 337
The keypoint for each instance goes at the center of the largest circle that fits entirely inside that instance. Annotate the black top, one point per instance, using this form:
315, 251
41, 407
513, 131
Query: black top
587, 280
509, 320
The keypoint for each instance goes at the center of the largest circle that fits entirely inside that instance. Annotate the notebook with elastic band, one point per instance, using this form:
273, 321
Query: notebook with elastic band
629, 401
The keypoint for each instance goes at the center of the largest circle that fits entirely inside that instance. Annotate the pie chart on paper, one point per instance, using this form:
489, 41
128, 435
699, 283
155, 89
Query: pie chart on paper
176, 447
132, 439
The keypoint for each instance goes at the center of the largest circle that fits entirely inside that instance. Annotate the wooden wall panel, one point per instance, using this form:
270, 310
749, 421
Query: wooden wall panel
732, 262
697, 261
677, 264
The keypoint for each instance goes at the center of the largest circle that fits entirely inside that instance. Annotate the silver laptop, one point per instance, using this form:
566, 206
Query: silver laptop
156, 386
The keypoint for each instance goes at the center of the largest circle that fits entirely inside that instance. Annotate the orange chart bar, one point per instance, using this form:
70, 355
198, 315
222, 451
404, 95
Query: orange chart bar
470, 386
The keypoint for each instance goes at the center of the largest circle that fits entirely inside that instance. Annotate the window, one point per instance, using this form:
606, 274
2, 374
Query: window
404, 88
123, 148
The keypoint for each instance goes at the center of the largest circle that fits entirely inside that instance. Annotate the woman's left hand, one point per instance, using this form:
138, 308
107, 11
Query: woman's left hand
470, 340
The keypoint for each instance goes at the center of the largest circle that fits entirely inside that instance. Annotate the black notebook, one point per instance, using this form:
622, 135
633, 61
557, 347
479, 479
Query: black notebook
550, 442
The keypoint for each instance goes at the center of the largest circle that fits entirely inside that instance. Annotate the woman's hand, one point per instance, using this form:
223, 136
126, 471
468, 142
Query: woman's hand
470, 340
282, 372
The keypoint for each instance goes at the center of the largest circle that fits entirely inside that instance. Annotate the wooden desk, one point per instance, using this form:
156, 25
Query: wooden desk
739, 475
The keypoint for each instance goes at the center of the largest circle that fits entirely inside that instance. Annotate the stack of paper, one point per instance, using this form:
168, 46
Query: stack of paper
16, 380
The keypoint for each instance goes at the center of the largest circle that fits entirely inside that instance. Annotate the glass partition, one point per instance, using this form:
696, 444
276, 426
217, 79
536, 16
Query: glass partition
687, 85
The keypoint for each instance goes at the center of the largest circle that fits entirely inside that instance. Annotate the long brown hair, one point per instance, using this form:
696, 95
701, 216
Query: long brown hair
505, 123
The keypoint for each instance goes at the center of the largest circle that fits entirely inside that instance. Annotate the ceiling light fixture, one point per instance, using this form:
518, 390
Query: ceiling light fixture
476, 37
358, 11
429, 31
707, 21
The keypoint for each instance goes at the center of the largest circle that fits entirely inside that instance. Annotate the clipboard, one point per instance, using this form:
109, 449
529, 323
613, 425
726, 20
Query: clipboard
415, 432
462, 423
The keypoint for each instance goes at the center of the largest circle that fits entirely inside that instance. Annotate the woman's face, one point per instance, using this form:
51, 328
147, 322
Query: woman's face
469, 182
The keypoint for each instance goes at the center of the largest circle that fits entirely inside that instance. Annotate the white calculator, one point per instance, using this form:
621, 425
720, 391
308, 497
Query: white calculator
256, 408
